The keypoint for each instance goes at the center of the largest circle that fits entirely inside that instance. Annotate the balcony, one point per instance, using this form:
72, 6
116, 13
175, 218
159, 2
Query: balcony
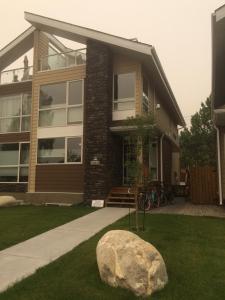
63, 60
16, 75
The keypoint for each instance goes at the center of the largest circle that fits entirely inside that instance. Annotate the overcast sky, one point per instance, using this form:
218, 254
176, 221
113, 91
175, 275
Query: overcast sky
180, 30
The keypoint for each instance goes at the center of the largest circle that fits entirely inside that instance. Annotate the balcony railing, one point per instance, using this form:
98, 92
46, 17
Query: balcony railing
63, 60
16, 75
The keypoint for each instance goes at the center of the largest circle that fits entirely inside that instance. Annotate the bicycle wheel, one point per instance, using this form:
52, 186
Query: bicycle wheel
155, 201
147, 201
163, 199
141, 202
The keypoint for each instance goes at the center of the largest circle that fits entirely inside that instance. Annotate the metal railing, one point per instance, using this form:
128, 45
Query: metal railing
16, 75
63, 60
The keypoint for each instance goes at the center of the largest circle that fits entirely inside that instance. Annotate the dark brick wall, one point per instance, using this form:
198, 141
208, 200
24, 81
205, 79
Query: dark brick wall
98, 140
13, 187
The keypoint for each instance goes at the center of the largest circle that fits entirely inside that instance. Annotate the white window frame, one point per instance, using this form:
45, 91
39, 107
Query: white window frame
64, 106
123, 100
65, 152
18, 166
21, 116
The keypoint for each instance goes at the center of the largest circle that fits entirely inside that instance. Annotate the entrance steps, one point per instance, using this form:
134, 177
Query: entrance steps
121, 197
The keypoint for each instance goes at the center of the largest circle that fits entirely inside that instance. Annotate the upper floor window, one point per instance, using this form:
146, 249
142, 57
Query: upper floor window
61, 104
124, 91
145, 96
15, 113
14, 160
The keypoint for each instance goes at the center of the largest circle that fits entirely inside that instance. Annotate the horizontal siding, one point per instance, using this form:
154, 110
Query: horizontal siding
51, 76
123, 64
40, 78
59, 178
16, 88
13, 188
166, 123
15, 137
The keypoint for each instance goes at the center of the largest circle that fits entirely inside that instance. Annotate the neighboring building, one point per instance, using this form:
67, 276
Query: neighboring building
218, 91
62, 136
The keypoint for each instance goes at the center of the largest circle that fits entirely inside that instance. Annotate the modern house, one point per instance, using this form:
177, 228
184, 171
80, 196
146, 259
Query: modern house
62, 132
218, 92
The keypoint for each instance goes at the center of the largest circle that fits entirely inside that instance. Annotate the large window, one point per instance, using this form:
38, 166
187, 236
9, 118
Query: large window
61, 104
15, 113
124, 91
60, 150
14, 160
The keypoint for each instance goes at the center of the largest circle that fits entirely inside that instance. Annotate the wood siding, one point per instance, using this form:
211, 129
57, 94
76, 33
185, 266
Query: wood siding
15, 137
15, 88
41, 78
123, 64
166, 123
203, 185
40, 48
11, 187
59, 178
167, 160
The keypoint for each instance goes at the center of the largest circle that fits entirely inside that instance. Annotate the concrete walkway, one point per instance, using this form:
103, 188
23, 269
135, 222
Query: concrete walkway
23, 259
180, 207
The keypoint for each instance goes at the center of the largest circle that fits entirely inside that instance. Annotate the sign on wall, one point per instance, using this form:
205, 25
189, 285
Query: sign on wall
97, 203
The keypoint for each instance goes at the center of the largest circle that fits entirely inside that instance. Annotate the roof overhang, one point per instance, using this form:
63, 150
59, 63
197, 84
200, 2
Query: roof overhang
15, 49
218, 57
124, 129
82, 34
219, 117
143, 52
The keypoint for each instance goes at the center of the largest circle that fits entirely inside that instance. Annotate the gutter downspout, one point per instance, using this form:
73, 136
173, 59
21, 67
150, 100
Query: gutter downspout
219, 165
161, 157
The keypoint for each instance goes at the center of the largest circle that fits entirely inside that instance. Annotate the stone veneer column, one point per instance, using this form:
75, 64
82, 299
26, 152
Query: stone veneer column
97, 119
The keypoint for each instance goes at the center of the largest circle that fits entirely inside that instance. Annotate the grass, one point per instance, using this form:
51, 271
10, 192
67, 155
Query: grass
193, 249
23, 222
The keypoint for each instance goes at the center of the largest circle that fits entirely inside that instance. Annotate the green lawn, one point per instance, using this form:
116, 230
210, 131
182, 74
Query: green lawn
23, 222
193, 249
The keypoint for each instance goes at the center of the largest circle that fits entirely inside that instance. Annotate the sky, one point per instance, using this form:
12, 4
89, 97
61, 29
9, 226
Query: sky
180, 30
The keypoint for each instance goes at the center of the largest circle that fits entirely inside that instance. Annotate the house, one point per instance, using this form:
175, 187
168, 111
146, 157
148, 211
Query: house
62, 133
218, 92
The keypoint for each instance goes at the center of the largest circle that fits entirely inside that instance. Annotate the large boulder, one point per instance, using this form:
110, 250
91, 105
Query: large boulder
125, 260
7, 201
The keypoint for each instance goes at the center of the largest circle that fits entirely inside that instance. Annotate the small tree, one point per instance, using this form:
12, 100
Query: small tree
198, 144
141, 129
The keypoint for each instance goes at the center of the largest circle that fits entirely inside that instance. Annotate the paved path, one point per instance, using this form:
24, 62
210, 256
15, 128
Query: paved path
23, 259
186, 208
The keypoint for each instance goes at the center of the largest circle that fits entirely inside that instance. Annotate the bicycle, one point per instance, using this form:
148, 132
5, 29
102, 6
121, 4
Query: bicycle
149, 198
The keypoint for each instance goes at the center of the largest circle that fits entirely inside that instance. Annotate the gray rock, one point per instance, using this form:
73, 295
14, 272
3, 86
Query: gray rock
127, 261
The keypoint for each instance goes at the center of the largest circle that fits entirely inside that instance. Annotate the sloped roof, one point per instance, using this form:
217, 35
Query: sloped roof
16, 48
144, 52
23, 43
